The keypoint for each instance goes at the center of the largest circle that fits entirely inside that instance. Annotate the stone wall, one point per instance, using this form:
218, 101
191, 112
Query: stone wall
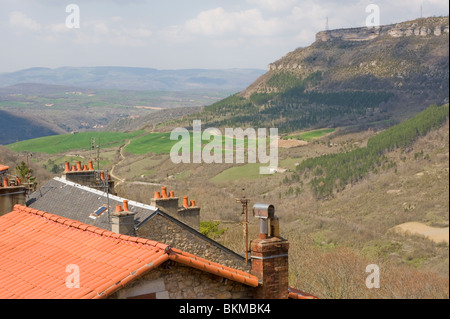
176, 281
164, 230
10, 196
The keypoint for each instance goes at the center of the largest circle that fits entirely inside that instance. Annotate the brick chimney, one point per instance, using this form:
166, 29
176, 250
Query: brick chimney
122, 220
269, 256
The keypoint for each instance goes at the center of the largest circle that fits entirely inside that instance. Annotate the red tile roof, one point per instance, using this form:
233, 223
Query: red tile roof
36, 248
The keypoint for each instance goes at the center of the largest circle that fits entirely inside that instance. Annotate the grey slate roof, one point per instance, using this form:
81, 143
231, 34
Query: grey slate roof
76, 202
73, 201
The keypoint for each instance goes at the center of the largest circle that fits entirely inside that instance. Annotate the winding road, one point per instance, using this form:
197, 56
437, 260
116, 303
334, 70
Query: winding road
123, 158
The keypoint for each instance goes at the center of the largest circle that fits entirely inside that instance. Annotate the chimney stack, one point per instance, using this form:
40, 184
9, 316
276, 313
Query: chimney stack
91, 166
122, 220
270, 256
79, 169
168, 205
188, 214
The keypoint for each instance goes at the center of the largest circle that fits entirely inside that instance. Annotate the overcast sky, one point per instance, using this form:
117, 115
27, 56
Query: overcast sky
179, 34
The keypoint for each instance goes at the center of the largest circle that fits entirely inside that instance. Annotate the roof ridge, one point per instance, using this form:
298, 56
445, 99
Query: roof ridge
101, 193
88, 228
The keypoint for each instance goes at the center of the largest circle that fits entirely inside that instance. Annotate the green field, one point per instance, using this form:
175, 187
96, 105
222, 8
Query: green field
157, 143
81, 141
311, 135
140, 144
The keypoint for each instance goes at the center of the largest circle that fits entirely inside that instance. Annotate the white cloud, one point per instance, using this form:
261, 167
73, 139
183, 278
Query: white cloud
21, 20
274, 5
219, 22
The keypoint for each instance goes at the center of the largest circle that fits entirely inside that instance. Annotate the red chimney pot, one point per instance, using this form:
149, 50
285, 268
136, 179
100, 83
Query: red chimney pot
125, 206
164, 192
185, 202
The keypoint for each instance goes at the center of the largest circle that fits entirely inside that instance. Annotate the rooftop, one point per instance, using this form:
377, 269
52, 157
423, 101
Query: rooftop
57, 197
36, 248
3, 168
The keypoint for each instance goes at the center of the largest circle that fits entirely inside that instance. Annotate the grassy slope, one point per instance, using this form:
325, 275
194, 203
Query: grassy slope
67, 142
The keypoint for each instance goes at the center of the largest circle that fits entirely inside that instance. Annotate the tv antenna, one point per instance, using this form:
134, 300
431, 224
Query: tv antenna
95, 151
244, 202
327, 27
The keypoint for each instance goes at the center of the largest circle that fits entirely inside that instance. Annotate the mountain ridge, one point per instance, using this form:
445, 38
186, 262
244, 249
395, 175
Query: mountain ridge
134, 78
346, 80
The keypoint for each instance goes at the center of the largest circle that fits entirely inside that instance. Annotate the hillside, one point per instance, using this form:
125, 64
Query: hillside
17, 127
359, 76
332, 238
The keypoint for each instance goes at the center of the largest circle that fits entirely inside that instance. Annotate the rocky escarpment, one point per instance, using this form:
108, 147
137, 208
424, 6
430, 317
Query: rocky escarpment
410, 57
418, 28
347, 77
421, 27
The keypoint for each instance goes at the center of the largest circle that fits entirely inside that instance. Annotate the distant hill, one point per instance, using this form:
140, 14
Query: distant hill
128, 78
358, 76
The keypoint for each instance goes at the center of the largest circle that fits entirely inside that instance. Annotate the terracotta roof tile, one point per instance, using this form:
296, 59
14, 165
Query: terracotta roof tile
36, 247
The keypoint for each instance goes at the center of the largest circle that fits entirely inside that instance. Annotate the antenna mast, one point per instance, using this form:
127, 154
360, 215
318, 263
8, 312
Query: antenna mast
95, 151
244, 202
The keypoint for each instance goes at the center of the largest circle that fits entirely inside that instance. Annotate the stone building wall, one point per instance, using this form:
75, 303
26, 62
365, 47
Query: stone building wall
176, 281
10, 196
163, 230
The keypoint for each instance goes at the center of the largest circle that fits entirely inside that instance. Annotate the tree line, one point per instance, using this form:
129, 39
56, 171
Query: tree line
333, 172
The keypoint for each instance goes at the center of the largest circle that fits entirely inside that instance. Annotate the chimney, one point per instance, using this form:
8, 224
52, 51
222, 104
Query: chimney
269, 259
168, 205
91, 166
102, 176
79, 166
74, 169
122, 220
85, 168
5, 182
189, 214
66, 167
